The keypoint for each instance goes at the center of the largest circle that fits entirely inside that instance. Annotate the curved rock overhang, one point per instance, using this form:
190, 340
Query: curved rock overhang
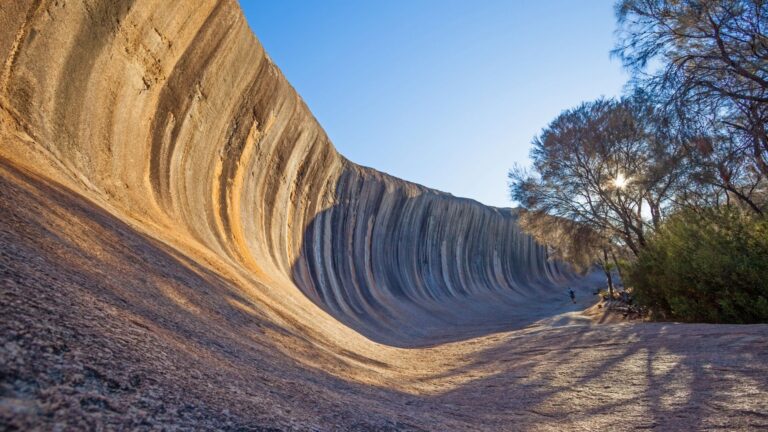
172, 115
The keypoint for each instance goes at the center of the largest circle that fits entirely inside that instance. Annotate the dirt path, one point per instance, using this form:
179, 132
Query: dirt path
91, 340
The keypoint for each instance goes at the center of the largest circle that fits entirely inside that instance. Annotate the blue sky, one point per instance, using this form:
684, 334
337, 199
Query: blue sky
444, 93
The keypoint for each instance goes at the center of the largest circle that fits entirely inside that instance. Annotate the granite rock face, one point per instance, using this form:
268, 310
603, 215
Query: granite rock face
404, 264
172, 113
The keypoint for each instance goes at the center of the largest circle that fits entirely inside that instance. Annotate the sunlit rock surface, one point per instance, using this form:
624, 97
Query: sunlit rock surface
183, 245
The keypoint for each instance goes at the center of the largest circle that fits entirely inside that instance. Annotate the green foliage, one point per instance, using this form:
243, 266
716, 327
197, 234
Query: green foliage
705, 266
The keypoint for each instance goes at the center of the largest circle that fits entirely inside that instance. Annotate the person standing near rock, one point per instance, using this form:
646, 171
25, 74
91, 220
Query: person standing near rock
572, 294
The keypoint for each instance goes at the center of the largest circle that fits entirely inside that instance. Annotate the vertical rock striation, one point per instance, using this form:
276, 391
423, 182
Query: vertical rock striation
402, 263
172, 114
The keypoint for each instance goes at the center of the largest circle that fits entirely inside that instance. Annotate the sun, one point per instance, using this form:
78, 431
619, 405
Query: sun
621, 181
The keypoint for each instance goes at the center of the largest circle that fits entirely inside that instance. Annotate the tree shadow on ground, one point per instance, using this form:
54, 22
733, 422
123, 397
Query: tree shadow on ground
673, 376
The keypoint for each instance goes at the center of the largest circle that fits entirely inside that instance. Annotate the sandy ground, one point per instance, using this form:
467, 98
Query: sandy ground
90, 342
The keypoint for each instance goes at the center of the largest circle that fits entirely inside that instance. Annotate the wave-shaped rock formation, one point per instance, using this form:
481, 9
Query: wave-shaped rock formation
172, 113
181, 247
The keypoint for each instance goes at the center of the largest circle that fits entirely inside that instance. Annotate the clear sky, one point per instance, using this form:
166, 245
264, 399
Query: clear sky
444, 93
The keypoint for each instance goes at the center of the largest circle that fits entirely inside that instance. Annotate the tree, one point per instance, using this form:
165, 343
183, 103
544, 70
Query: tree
574, 243
711, 59
719, 172
603, 165
709, 265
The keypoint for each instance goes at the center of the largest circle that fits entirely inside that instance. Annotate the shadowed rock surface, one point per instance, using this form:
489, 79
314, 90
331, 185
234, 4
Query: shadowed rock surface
182, 245
409, 266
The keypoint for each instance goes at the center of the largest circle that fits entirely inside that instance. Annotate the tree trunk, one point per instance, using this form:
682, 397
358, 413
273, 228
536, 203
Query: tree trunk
618, 269
760, 139
607, 270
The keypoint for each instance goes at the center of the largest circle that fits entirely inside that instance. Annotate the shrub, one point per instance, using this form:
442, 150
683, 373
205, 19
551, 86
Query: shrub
705, 266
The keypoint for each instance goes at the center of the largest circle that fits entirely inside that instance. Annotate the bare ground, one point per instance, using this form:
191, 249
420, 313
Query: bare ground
90, 340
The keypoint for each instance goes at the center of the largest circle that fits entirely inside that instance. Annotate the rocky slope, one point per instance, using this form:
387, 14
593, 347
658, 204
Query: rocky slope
182, 245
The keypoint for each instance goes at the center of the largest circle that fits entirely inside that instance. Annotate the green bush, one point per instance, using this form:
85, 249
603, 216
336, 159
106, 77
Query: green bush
705, 266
